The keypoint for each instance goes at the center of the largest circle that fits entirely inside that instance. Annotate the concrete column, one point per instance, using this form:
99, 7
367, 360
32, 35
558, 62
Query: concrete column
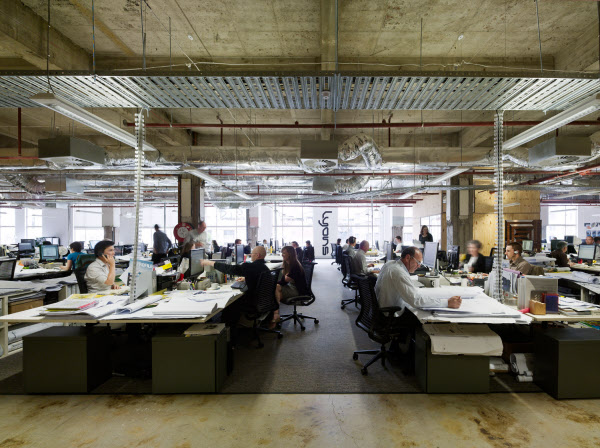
190, 199
252, 225
459, 213
111, 220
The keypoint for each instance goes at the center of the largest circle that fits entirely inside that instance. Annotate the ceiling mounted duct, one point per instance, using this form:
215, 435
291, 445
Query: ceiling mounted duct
560, 150
70, 151
361, 144
318, 156
324, 184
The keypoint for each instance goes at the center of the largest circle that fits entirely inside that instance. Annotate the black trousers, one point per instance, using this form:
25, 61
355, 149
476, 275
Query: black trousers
157, 257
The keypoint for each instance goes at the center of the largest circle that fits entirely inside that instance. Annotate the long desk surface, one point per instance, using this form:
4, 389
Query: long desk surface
588, 269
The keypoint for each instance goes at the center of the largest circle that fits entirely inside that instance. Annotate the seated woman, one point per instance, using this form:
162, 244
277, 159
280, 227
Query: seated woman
76, 251
293, 280
100, 274
475, 262
215, 246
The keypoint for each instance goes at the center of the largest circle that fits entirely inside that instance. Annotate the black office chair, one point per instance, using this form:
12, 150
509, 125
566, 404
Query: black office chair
489, 264
302, 300
333, 251
265, 304
308, 254
82, 263
339, 257
349, 281
373, 320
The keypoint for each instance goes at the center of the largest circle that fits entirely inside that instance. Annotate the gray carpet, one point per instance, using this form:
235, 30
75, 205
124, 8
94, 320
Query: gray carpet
318, 360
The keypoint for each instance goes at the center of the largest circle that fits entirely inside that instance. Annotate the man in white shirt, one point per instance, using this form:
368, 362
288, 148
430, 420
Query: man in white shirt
359, 262
351, 243
100, 274
398, 243
395, 288
198, 236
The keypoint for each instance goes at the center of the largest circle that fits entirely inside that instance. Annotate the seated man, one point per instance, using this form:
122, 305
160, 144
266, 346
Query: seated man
513, 255
560, 255
100, 274
351, 250
345, 246
250, 273
359, 262
308, 254
398, 243
589, 240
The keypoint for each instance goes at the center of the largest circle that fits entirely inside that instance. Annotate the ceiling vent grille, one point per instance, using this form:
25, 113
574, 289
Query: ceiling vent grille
66, 151
559, 151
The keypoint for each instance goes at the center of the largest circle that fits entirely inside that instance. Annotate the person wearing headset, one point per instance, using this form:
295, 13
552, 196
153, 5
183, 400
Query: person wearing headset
513, 255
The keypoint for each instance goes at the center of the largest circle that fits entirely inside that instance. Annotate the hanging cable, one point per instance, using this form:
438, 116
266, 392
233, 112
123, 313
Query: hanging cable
537, 13
93, 41
50, 89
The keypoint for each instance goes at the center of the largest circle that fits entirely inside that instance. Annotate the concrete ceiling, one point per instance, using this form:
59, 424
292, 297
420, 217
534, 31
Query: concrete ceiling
286, 35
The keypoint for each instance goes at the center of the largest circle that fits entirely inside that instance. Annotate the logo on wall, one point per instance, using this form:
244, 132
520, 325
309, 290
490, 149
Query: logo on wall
325, 232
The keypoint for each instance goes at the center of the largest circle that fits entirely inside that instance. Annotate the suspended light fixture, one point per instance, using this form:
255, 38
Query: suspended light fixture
438, 179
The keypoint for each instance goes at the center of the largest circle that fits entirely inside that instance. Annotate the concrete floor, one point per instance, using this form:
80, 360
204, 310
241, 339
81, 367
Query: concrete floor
495, 420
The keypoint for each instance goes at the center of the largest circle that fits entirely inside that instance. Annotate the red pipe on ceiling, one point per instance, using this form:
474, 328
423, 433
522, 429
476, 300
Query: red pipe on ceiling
579, 171
440, 124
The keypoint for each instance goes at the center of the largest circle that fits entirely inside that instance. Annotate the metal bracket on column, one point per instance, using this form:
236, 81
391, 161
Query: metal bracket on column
140, 131
499, 206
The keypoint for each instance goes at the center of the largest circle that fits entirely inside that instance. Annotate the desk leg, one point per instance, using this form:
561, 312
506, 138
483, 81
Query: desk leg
585, 295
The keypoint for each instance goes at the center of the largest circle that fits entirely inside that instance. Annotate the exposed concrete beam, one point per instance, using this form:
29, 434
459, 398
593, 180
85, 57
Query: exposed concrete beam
328, 52
582, 53
23, 34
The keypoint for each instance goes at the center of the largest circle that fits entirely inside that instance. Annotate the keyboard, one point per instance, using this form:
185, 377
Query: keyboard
238, 285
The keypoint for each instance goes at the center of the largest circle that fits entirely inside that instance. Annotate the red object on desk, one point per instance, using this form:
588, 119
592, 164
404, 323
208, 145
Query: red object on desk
524, 310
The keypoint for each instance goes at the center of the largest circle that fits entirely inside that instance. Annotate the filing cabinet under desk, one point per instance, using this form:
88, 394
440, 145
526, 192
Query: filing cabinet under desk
567, 362
63, 360
195, 364
449, 374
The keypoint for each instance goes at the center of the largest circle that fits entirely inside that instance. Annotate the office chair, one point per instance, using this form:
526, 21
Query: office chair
84, 260
333, 251
489, 264
7, 269
374, 321
265, 304
308, 254
81, 265
349, 282
493, 251
339, 257
302, 300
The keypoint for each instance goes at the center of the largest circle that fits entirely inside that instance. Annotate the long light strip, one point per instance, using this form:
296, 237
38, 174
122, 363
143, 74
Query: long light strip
576, 193
581, 109
80, 115
438, 179
208, 178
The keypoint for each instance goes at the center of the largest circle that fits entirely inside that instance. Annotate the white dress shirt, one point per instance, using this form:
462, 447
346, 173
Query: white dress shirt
395, 288
345, 247
95, 276
359, 262
351, 251
196, 237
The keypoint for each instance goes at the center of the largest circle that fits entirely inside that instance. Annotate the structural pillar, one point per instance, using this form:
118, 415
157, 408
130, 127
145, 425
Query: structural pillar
190, 199
459, 213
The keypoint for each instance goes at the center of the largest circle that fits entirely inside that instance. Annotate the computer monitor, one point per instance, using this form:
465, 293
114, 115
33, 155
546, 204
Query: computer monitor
587, 252
55, 240
93, 243
7, 268
377, 244
569, 239
527, 245
239, 254
276, 245
29, 241
25, 247
554, 245
430, 254
389, 253
49, 252
196, 257
118, 250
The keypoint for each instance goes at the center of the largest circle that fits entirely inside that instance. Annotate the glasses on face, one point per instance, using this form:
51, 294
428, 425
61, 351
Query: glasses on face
417, 261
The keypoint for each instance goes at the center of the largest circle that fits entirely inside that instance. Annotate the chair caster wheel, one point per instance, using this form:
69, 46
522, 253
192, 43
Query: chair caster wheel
316, 321
279, 336
302, 328
364, 371
355, 356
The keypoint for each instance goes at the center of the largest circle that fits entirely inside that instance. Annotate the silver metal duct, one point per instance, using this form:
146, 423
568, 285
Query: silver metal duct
351, 185
361, 145
27, 183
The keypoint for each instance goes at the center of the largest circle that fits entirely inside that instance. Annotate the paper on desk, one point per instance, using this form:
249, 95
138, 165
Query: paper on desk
481, 306
185, 307
457, 339
445, 292
146, 314
138, 305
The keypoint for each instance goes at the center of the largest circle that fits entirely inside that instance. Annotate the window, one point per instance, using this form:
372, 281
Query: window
562, 221
434, 224
33, 223
360, 222
7, 226
407, 230
226, 225
87, 224
293, 224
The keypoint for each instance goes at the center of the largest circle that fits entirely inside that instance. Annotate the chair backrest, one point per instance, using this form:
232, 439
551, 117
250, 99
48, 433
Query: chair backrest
338, 255
308, 273
489, 264
369, 308
84, 260
7, 269
308, 253
80, 276
265, 292
333, 250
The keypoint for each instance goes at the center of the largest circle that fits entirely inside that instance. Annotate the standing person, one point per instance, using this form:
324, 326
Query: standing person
398, 243
161, 245
308, 254
425, 236
76, 250
198, 236
293, 280
298, 249
100, 274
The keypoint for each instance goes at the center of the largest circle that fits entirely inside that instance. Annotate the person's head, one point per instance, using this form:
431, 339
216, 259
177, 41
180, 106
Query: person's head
347, 239
238, 241
258, 253
307, 243
597, 240
339, 241
295, 244
474, 247
398, 240
352, 240
201, 226
589, 239
424, 230
46, 243
412, 258
364, 245
104, 247
562, 246
156, 227
288, 253
76, 246
513, 251
187, 247
264, 241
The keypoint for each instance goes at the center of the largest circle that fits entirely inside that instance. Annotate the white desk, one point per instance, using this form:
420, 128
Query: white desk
274, 258
588, 269
562, 318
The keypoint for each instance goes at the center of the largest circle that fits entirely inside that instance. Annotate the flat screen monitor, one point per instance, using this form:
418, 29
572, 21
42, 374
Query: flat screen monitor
7, 268
118, 251
553, 245
93, 243
28, 241
239, 254
569, 239
55, 240
49, 252
587, 252
25, 247
389, 253
196, 257
276, 245
430, 254
527, 245
377, 244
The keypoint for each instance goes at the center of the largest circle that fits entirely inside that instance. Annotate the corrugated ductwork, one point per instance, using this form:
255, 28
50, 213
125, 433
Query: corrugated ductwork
351, 185
361, 145
27, 183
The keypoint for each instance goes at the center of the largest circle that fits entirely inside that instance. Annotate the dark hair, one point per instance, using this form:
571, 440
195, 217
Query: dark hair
101, 246
516, 247
76, 246
46, 243
423, 228
293, 260
411, 250
236, 241
308, 242
339, 240
156, 227
352, 240
596, 239
399, 238
347, 240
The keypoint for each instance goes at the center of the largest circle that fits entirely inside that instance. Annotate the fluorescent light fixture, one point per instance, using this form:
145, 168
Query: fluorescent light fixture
581, 109
202, 175
512, 204
408, 195
453, 172
80, 115
241, 194
88, 212
576, 193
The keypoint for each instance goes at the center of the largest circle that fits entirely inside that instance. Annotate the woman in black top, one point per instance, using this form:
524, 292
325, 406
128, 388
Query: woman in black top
475, 262
293, 280
216, 247
425, 236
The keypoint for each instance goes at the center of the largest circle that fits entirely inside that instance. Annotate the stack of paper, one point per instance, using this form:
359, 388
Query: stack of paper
458, 339
477, 307
587, 278
574, 307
